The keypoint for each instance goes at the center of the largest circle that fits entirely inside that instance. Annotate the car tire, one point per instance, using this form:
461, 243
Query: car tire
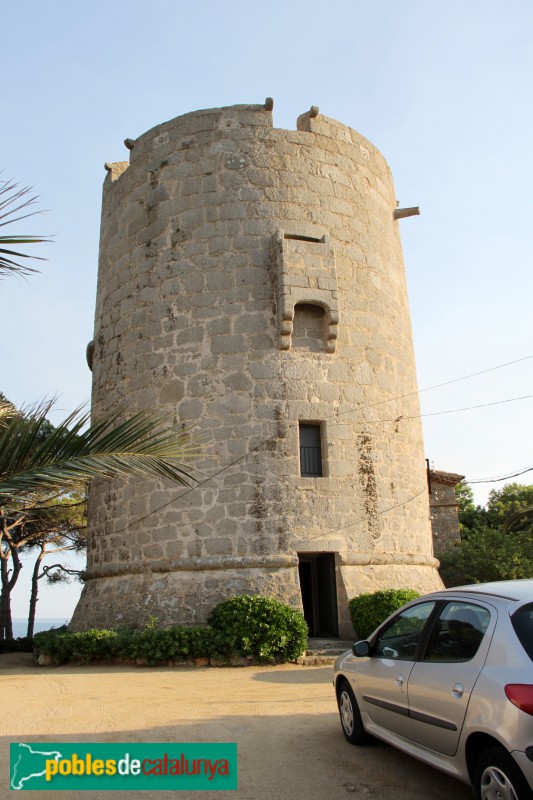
498, 775
351, 722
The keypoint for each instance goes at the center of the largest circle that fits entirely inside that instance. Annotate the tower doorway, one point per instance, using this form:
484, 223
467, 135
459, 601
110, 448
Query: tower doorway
319, 593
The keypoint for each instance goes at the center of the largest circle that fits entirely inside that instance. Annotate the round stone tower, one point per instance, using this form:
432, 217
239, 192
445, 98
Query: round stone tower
251, 284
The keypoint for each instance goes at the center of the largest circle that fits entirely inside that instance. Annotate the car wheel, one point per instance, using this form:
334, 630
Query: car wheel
498, 777
352, 724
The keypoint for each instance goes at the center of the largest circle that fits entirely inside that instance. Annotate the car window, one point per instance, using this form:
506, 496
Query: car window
457, 633
401, 636
522, 621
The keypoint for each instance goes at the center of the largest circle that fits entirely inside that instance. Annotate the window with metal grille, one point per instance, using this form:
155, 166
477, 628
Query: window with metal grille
310, 450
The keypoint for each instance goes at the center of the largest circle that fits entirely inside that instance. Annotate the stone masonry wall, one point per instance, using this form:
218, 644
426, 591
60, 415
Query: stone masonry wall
444, 510
218, 227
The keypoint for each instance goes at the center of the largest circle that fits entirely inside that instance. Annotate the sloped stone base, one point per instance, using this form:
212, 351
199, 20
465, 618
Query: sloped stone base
176, 598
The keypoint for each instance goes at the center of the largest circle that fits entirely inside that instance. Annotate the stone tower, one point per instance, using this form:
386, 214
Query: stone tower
251, 283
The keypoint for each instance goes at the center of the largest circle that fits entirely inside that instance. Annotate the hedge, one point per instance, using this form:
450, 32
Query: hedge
248, 627
368, 611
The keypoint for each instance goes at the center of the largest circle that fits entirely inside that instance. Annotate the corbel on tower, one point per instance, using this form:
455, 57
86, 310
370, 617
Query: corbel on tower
306, 274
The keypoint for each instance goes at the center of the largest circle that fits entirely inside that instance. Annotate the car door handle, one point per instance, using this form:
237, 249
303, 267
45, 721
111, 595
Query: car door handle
457, 691
399, 680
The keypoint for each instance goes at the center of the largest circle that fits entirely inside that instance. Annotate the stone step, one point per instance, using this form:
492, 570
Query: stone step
316, 661
317, 646
324, 651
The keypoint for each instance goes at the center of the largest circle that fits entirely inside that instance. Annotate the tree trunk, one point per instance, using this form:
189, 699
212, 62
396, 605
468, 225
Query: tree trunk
34, 594
6, 623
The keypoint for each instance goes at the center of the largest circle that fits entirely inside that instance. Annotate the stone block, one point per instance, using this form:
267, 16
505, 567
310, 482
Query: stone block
151, 232
228, 344
189, 336
190, 409
192, 218
219, 547
250, 324
215, 327
219, 280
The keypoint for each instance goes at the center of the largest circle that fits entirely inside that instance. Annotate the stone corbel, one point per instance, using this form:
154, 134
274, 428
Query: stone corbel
306, 274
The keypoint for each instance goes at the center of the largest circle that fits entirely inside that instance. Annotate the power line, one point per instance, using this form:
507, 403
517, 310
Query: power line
332, 416
481, 405
379, 513
438, 385
197, 485
481, 372
501, 477
449, 411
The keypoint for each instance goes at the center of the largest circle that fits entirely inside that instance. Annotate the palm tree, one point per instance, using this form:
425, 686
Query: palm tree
39, 463
14, 201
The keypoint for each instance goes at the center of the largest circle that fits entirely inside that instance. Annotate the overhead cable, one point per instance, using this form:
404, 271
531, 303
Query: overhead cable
336, 415
501, 477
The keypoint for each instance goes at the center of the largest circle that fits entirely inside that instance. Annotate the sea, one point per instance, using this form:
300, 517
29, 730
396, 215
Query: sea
20, 625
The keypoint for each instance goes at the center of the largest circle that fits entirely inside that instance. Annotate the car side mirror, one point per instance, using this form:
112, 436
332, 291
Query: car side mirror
361, 649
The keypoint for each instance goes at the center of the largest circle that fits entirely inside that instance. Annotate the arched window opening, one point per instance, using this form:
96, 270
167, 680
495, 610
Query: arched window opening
308, 328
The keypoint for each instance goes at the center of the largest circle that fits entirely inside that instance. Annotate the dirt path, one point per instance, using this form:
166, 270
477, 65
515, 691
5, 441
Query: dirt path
283, 718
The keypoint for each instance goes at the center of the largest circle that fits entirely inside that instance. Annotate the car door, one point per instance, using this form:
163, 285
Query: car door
441, 682
382, 677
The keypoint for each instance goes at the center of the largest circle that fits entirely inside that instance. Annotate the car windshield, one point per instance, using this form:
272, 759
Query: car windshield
522, 621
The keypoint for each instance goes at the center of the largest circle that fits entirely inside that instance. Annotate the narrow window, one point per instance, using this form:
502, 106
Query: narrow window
310, 450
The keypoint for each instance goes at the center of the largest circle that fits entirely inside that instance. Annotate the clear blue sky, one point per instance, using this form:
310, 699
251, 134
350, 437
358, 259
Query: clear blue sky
444, 90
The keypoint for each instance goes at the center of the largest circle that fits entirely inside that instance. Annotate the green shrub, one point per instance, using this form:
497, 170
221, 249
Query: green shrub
153, 645
83, 647
242, 626
252, 625
177, 643
369, 610
20, 645
56, 644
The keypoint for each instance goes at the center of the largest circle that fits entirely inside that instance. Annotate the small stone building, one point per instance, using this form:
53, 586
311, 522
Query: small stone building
444, 509
251, 284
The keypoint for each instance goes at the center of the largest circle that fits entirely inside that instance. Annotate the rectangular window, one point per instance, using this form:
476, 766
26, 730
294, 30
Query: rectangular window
310, 450
523, 626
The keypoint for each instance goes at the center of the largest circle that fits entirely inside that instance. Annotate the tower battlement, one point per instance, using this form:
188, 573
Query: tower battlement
179, 133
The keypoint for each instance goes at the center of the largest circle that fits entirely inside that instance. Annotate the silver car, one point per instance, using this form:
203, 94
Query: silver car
448, 678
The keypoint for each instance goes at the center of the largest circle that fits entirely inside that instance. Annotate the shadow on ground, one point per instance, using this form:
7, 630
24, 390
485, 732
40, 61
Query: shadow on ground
300, 675
284, 720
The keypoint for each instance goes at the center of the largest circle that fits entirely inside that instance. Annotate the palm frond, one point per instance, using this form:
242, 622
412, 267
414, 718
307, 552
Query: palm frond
14, 199
72, 453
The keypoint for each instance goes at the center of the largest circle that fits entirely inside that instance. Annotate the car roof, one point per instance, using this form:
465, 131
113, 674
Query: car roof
510, 590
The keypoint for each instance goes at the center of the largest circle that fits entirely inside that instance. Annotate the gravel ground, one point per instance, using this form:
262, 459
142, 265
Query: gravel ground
283, 718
